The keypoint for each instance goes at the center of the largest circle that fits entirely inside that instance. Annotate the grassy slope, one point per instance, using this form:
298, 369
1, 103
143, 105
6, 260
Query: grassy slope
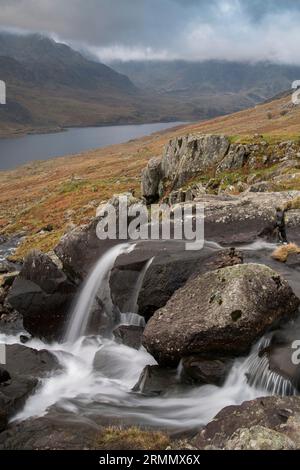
68, 189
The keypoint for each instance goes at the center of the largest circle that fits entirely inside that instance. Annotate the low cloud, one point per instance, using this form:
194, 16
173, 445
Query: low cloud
241, 30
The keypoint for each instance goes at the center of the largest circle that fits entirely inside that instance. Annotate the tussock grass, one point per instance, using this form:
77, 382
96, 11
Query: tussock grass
133, 438
282, 252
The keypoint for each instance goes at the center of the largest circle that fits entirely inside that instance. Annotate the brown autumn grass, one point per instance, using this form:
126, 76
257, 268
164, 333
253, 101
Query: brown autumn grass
282, 252
133, 438
67, 190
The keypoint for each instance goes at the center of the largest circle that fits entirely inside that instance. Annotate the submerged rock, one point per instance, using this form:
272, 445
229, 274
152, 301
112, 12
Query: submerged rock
130, 335
222, 312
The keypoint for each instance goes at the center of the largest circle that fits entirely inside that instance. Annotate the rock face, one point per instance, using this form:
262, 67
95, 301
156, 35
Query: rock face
264, 423
219, 313
196, 369
183, 159
43, 294
155, 380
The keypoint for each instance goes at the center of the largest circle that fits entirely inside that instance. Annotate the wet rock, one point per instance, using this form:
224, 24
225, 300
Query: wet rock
11, 322
3, 420
279, 414
25, 367
205, 371
219, 313
129, 335
43, 294
155, 380
24, 339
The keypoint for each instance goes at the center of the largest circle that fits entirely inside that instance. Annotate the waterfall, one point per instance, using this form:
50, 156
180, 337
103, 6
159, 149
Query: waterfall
260, 376
97, 284
131, 317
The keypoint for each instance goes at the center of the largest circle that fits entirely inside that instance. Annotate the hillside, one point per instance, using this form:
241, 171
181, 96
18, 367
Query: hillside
66, 191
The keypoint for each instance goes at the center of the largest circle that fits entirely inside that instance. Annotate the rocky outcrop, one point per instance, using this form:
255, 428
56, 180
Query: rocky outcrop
155, 380
43, 294
187, 158
151, 178
220, 313
263, 424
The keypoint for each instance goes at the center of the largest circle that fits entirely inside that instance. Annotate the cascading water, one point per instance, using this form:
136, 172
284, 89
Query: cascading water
99, 373
131, 317
97, 284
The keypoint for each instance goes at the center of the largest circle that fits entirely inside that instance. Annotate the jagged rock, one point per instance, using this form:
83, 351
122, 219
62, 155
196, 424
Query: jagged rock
183, 159
130, 335
260, 187
205, 371
151, 177
279, 414
219, 313
234, 160
43, 295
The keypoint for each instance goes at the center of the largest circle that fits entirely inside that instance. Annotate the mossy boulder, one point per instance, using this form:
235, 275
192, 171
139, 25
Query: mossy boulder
222, 312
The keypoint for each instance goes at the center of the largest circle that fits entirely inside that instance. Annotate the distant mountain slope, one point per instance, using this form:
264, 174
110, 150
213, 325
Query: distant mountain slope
49, 85
196, 80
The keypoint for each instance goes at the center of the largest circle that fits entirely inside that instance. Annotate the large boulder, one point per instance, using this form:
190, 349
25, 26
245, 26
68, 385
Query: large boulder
236, 426
43, 294
222, 312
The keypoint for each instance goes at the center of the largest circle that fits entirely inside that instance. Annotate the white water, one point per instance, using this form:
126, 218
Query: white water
96, 285
132, 305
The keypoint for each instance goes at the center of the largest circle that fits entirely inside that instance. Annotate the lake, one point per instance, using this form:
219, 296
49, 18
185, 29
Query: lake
19, 150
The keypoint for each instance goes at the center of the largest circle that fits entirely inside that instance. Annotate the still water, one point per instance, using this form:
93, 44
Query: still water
20, 150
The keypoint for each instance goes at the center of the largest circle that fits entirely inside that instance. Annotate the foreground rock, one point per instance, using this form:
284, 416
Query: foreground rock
265, 423
24, 367
220, 313
43, 294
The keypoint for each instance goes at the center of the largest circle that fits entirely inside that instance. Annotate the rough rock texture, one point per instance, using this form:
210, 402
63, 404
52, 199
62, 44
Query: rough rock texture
259, 438
43, 295
183, 159
220, 313
187, 158
259, 417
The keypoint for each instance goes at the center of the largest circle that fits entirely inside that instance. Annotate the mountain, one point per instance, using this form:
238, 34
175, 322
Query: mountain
49, 85
231, 86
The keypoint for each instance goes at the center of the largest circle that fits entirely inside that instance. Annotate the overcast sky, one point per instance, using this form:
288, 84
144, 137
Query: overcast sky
165, 29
